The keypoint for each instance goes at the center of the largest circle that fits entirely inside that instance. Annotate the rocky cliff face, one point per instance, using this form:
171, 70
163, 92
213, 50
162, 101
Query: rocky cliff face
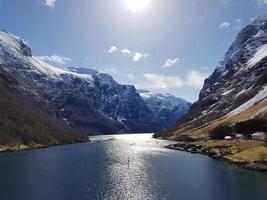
166, 107
238, 82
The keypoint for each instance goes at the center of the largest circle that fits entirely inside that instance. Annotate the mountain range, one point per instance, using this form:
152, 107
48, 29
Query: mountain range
43, 104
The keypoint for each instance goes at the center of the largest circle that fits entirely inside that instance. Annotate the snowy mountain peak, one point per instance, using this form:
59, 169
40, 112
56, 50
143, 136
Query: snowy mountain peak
237, 89
246, 44
85, 99
103, 77
168, 108
13, 45
260, 18
165, 99
249, 48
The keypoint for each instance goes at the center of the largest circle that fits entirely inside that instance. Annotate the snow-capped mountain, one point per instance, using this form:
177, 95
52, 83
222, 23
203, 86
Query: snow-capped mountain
167, 107
86, 100
238, 82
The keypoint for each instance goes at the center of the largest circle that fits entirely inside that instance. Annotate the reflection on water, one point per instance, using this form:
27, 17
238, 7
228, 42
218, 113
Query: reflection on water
123, 167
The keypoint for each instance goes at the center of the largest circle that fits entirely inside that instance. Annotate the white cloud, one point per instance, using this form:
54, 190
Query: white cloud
136, 56
126, 52
260, 2
55, 59
171, 62
113, 49
50, 3
195, 78
235, 24
162, 82
225, 25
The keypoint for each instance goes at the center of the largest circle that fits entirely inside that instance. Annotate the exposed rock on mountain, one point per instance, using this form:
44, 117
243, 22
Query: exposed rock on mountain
65, 101
237, 88
166, 107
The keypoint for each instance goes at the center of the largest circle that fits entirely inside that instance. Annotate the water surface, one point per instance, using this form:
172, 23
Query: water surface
124, 167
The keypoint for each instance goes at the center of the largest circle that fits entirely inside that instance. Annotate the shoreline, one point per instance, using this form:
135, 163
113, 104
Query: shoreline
220, 153
23, 147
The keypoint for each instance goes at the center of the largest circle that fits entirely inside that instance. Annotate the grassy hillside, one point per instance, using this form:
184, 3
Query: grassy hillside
206, 128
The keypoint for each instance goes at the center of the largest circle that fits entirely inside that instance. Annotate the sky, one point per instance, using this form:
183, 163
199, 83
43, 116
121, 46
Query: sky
167, 46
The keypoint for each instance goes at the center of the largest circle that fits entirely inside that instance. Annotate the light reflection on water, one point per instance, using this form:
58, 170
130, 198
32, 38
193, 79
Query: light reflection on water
128, 171
134, 167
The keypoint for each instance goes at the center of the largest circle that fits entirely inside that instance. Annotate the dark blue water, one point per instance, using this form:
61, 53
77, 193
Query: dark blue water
126, 167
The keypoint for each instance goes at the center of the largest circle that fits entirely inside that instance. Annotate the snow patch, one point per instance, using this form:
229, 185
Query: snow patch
227, 92
260, 54
259, 97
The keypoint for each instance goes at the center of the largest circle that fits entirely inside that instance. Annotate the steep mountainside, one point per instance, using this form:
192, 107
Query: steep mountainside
237, 84
22, 122
166, 107
84, 100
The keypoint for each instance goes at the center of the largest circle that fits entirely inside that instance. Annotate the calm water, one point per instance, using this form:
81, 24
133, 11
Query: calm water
123, 167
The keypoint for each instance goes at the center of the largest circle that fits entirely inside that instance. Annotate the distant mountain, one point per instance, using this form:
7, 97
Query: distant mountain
166, 107
237, 89
69, 101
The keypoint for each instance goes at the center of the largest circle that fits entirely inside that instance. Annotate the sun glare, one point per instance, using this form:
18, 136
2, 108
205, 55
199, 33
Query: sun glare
136, 5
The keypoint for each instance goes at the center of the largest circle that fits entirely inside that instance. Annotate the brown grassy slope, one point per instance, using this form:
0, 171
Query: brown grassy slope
258, 153
21, 122
205, 129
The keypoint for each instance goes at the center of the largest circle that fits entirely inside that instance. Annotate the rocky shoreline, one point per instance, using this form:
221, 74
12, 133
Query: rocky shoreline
221, 152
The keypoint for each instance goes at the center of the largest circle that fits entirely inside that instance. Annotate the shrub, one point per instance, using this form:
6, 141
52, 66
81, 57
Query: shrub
221, 131
250, 126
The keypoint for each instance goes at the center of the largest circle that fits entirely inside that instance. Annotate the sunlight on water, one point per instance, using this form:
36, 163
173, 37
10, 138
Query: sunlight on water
134, 167
128, 169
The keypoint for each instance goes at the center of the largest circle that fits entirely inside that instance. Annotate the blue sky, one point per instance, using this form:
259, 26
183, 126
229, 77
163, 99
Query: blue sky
168, 46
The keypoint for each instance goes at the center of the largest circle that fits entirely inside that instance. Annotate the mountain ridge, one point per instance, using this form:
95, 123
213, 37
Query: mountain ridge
84, 101
239, 77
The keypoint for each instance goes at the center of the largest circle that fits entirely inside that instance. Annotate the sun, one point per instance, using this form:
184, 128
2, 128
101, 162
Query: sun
136, 5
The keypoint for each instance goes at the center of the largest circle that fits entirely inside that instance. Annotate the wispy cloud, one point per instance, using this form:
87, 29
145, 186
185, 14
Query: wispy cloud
126, 52
261, 2
171, 62
131, 76
50, 3
156, 81
135, 56
238, 25
55, 59
196, 79
235, 24
138, 56
113, 49
225, 25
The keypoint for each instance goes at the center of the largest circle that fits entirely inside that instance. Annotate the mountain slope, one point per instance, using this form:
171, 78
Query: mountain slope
90, 102
237, 84
166, 107
22, 122
85, 100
